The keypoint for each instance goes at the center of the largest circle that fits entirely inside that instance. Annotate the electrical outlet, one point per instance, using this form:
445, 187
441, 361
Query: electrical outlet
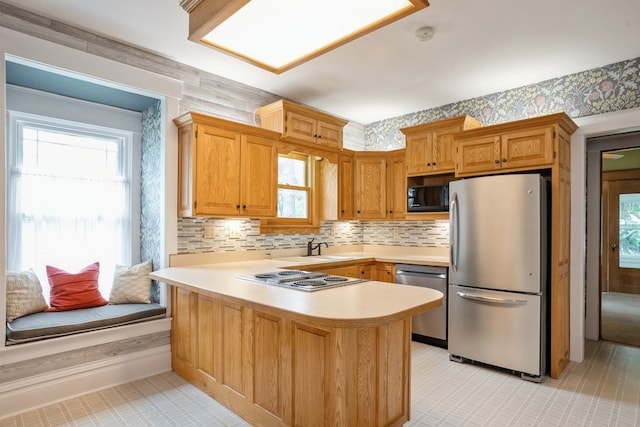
234, 233
209, 231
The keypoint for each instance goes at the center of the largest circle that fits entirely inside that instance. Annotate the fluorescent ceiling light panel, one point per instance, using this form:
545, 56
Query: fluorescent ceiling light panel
280, 34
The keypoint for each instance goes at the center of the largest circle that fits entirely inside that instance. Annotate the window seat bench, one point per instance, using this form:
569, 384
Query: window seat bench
43, 325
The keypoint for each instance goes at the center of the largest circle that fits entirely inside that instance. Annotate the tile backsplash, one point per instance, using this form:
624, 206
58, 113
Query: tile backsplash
231, 235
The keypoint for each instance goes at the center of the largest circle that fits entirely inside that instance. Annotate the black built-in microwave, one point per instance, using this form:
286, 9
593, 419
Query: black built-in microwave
428, 198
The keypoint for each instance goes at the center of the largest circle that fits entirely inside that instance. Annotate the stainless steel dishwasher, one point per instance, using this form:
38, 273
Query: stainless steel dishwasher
429, 327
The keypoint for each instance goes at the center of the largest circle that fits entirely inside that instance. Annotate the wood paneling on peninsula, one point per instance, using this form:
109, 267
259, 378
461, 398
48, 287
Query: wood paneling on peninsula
282, 357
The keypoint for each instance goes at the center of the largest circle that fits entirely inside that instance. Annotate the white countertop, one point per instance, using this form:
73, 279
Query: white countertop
365, 302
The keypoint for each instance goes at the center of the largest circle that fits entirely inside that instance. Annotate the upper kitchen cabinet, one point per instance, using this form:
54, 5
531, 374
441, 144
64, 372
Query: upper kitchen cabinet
379, 185
345, 187
520, 145
298, 123
430, 147
225, 168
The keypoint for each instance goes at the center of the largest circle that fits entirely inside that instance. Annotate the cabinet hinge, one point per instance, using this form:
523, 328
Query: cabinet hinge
554, 134
554, 154
195, 205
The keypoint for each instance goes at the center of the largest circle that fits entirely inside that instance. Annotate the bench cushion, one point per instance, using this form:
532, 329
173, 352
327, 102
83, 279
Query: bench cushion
38, 326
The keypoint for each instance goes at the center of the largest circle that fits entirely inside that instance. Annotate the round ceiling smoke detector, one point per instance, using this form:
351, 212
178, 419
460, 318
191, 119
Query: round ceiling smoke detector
424, 33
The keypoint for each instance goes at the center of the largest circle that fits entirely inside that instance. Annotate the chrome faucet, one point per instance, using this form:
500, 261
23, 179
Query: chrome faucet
311, 247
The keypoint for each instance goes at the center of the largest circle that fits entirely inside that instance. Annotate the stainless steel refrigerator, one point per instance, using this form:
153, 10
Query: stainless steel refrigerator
498, 272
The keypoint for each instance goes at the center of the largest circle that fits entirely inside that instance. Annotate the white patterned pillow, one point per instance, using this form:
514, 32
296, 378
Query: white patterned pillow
24, 294
131, 285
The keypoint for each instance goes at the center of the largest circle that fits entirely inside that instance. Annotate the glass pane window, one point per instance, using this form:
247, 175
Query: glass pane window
293, 186
69, 201
292, 170
292, 203
629, 238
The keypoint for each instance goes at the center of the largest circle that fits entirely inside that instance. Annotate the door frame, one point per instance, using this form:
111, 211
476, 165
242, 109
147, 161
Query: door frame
594, 148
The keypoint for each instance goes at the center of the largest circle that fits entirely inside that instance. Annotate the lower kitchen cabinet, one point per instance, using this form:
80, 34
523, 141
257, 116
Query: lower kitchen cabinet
385, 272
274, 368
348, 270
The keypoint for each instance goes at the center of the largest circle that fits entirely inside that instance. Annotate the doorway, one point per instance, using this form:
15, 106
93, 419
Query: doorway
620, 242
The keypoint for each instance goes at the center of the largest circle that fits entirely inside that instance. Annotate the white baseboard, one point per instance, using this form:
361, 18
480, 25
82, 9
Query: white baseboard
34, 392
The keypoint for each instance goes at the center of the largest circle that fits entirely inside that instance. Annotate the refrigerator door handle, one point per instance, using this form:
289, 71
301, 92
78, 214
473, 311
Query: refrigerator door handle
491, 299
453, 245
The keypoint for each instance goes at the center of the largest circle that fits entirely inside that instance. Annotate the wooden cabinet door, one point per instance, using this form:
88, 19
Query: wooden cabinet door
329, 134
366, 271
419, 154
444, 150
396, 188
531, 147
478, 155
345, 188
370, 188
259, 176
385, 272
301, 127
347, 271
216, 179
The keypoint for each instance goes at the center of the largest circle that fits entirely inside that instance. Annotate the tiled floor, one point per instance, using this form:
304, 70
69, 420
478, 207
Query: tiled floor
602, 391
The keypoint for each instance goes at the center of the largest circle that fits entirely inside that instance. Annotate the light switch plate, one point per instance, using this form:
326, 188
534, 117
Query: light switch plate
234, 233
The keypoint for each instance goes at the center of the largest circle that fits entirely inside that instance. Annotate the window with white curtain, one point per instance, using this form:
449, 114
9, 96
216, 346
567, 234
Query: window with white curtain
69, 196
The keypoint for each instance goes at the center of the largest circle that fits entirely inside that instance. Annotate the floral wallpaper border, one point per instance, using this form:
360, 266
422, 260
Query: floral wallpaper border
600, 90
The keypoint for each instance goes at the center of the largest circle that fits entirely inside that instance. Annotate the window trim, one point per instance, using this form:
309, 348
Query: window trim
128, 162
297, 225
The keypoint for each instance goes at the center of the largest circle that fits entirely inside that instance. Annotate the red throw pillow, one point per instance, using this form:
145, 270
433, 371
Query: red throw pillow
71, 291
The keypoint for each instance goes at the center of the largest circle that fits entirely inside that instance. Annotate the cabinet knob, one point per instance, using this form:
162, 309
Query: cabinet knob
428, 164
434, 163
244, 206
237, 206
497, 161
504, 160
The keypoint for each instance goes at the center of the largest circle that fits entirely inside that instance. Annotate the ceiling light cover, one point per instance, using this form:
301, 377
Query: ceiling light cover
280, 34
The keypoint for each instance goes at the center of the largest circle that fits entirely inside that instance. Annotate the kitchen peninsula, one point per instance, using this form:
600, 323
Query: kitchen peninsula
279, 356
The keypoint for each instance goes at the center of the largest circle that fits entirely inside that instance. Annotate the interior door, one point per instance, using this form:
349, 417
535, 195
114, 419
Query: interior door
624, 236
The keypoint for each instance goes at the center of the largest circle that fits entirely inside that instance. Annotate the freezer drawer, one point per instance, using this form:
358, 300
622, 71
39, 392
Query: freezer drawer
503, 329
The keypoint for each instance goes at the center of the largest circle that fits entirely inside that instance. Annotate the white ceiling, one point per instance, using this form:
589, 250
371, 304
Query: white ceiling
480, 47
